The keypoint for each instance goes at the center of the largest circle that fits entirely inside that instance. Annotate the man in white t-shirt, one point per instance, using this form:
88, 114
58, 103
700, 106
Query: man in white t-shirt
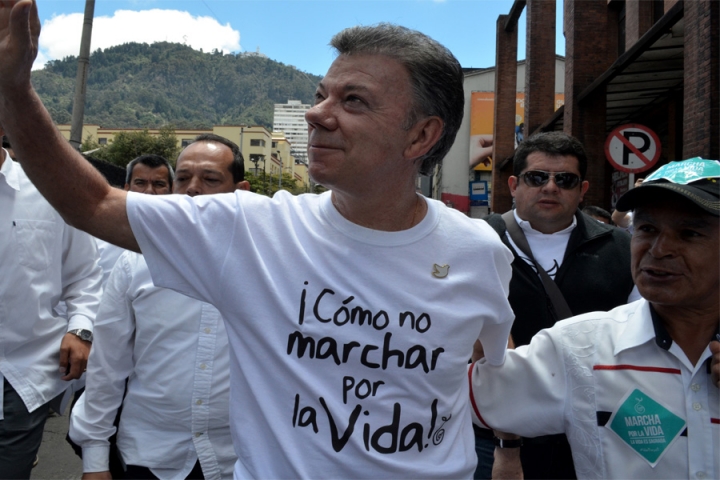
351, 315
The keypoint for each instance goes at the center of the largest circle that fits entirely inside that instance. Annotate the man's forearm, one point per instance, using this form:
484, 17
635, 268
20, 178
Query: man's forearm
71, 185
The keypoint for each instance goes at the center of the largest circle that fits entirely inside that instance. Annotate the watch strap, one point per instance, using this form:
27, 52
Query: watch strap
505, 443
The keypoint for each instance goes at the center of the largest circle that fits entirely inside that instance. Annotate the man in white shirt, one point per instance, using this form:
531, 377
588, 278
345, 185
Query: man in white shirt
635, 389
173, 352
350, 315
44, 262
588, 261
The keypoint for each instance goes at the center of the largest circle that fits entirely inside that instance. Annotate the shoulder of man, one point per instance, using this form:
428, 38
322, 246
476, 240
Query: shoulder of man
496, 221
593, 228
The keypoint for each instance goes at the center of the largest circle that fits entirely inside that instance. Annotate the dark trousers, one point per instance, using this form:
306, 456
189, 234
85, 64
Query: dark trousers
547, 457
135, 472
20, 435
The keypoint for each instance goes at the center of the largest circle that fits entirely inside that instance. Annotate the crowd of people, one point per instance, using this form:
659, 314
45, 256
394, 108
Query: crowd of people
366, 332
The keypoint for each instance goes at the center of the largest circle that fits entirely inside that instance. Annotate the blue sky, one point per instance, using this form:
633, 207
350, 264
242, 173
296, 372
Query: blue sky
294, 32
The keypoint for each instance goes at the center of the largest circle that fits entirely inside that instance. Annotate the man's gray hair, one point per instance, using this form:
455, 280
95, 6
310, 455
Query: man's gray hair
435, 74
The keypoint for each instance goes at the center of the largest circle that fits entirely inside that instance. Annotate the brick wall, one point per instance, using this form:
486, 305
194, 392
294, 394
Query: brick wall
588, 56
504, 116
638, 20
539, 64
701, 98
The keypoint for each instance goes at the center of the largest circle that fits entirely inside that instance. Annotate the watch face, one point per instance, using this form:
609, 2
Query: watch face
84, 335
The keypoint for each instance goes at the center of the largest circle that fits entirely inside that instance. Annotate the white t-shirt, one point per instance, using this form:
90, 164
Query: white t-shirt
349, 346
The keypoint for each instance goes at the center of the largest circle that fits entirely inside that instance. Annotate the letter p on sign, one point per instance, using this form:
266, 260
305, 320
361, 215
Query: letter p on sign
632, 148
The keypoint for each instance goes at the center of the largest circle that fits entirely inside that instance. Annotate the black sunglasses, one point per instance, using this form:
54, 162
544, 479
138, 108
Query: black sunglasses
538, 178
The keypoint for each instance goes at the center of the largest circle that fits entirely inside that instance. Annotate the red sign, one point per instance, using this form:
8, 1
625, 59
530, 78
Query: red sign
632, 148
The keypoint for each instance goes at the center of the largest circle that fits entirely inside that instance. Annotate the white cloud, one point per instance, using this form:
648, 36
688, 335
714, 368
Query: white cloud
60, 36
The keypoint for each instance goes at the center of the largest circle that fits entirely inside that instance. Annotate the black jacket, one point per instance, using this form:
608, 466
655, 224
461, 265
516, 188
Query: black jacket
594, 275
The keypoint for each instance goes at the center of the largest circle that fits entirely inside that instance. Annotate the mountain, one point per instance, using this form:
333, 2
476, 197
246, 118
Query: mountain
141, 85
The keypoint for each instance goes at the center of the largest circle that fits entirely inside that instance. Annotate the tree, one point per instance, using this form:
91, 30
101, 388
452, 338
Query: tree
267, 184
128, 145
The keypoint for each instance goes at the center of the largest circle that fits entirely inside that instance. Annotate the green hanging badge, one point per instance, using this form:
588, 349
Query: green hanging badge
646, 426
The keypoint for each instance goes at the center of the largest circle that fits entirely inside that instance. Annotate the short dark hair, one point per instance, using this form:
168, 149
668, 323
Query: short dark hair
594, 211
152, 161
237, 167
435, 74
554, 144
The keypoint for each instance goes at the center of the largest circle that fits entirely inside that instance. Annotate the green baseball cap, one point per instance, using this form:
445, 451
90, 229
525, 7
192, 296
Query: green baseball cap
696, 179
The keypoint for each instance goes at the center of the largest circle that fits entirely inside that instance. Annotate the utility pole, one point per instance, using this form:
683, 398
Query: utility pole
81, 79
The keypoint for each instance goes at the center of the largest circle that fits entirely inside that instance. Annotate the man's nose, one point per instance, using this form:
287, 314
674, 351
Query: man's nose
551, 186
322, 115
663, 245
194, 187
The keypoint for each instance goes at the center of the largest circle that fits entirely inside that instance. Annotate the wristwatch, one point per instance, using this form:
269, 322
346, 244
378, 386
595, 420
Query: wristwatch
85, 335
505, 443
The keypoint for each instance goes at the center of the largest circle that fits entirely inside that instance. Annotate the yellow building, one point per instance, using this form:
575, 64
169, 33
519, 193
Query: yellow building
264, 151
281, 150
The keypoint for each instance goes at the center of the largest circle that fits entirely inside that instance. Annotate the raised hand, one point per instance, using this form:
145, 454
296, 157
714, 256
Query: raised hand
19, 33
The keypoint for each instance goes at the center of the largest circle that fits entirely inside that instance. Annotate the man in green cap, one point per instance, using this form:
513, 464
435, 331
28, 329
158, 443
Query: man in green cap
635, 389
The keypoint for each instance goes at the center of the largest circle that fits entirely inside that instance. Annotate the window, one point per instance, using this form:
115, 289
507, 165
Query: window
274, 144
185, 142
256, 160
102, 141
257, 143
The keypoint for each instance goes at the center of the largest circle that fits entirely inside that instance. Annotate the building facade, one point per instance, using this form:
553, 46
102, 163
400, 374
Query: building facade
461, 182
264, 152
652, 63
289, 118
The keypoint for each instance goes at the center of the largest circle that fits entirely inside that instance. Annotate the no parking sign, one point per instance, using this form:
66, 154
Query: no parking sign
632, 148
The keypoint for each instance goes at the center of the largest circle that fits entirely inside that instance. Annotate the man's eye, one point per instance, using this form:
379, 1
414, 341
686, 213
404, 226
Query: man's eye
318, 98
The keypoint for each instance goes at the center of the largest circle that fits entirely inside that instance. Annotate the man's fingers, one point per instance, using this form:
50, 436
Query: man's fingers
73, 356
64, 358
20, 26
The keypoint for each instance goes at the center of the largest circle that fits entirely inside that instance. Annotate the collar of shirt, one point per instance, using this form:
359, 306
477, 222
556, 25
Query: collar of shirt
643, 326
548, 249
639, 329
527, 228
9, 171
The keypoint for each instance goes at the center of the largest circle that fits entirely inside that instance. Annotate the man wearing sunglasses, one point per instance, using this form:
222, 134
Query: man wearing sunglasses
587, 260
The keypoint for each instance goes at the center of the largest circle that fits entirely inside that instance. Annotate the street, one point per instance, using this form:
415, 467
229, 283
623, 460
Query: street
57, 459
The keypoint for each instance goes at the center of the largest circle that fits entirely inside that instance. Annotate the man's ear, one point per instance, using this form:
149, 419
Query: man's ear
423, 136
513, 184
583, 189
244, 185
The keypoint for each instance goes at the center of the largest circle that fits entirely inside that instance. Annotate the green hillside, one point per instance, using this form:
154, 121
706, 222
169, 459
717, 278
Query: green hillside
141, 85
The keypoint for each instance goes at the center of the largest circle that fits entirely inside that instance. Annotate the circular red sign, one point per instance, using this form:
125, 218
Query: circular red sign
632, 148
